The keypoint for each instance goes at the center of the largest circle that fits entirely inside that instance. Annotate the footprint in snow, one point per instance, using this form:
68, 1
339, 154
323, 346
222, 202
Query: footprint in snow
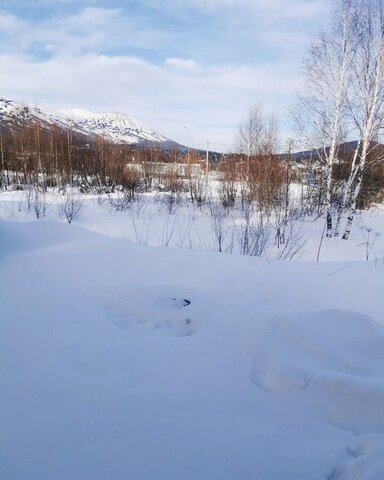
143, 307
364, 462
172, 302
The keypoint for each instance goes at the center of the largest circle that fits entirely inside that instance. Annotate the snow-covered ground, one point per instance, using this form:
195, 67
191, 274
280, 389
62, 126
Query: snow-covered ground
120, 360
153, 220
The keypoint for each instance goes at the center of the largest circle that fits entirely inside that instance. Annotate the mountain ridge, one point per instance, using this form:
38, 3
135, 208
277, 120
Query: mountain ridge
116, 127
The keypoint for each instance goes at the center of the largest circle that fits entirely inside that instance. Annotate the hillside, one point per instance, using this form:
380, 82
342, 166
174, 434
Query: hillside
114, 127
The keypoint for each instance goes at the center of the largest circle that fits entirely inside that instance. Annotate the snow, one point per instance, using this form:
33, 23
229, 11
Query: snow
116, 127
122, 360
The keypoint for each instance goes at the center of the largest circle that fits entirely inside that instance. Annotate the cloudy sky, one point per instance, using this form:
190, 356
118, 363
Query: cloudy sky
171, 64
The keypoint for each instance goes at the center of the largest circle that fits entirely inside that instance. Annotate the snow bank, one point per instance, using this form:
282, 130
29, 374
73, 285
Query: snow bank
336, 355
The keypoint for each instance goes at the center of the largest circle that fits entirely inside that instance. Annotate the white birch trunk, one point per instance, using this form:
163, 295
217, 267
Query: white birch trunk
339, 103
347, 189
372, 123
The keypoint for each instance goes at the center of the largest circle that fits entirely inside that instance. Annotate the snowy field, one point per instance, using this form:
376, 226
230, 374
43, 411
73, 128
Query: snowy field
153, 220
123, 359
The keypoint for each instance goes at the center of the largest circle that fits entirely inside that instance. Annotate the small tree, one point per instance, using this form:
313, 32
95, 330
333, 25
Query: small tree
69, 206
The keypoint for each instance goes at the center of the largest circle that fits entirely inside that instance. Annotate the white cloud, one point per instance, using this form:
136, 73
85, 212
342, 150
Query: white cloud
90, 29
10, 23
182, 63
294, 9
92, 16
278, 8
285, 41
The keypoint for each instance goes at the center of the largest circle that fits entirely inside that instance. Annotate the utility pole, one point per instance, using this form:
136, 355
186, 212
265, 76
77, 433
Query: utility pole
207, 161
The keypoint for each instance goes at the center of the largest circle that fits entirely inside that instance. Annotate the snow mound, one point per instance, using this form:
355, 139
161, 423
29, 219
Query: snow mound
17, 238
338, 356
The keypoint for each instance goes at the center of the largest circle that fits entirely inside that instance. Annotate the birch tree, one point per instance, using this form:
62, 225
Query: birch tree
366, 98
321, 112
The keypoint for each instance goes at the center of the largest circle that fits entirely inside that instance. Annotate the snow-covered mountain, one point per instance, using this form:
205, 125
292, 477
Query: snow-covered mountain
115, 127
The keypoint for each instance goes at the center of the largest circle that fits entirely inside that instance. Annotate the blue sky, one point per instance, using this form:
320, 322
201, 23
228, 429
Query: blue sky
171, 64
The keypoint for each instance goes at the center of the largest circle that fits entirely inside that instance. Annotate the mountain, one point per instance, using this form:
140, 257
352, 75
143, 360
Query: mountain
114, 127
344, 150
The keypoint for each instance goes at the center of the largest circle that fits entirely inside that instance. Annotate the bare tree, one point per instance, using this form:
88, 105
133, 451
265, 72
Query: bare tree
39, 201
321, 112
294, 241
253, 233
250, 132
219, 227
258, 134
228, 184
366, 100
197, 185
169, 226
4, 179
69, 206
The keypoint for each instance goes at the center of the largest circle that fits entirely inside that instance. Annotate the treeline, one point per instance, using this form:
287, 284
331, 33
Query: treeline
49, 157
54, 157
